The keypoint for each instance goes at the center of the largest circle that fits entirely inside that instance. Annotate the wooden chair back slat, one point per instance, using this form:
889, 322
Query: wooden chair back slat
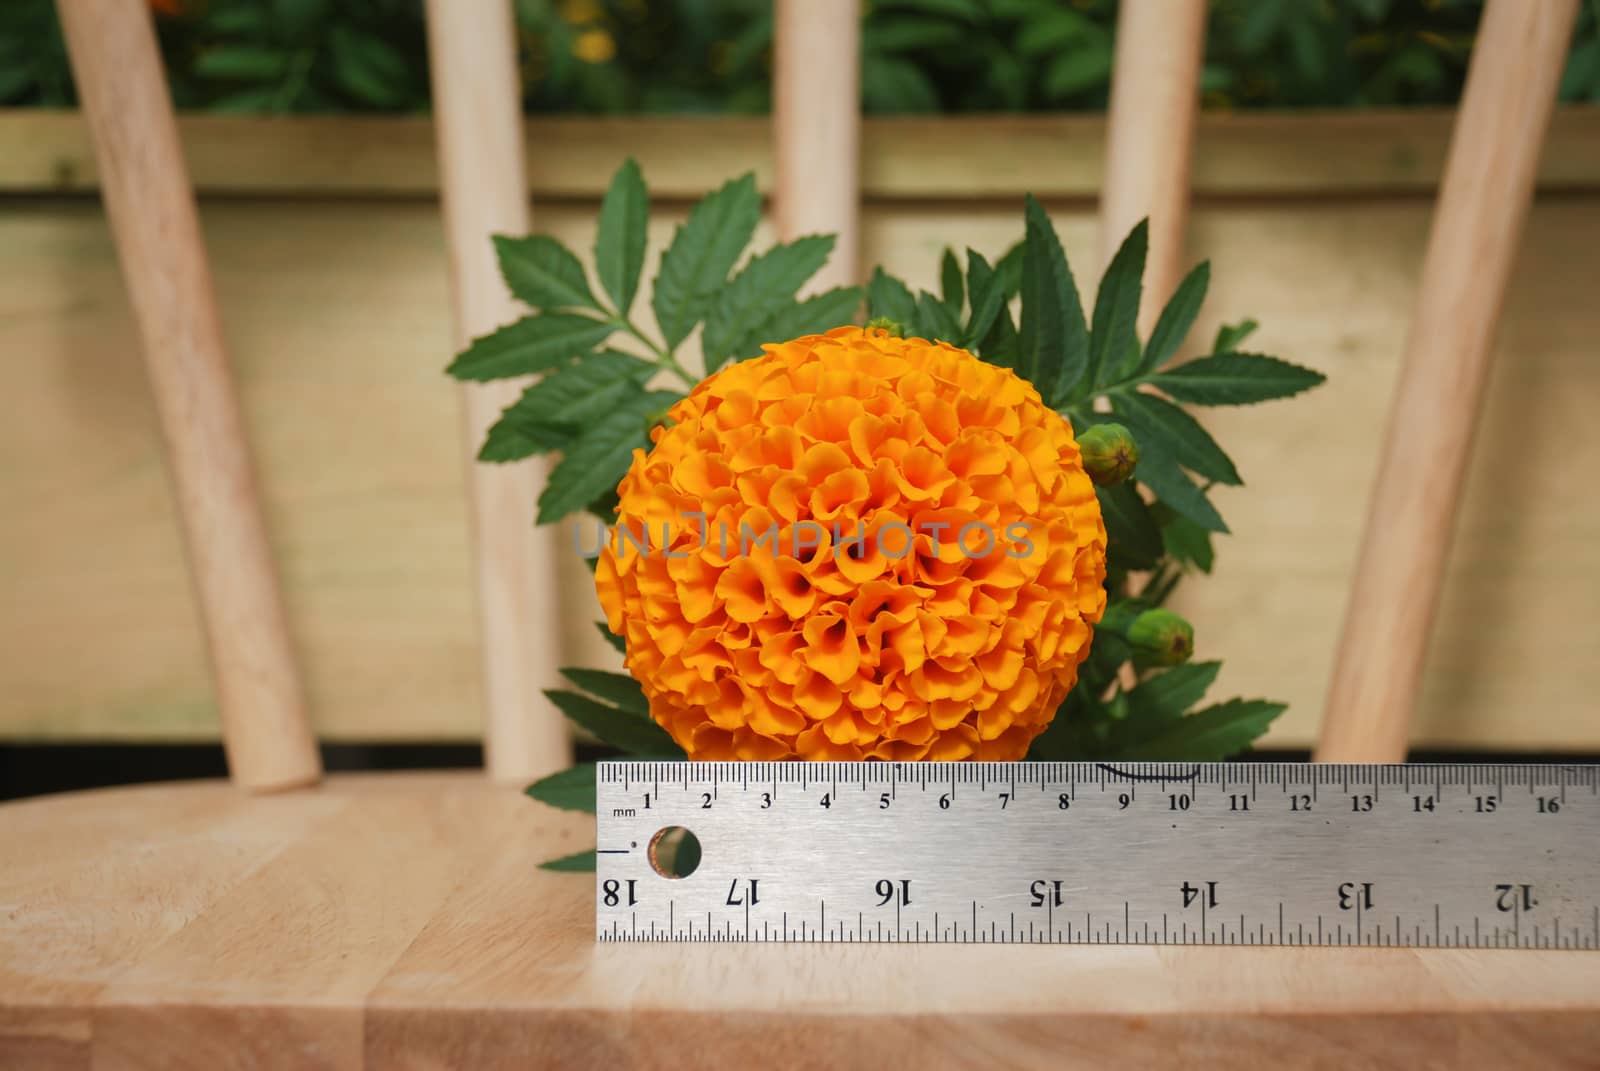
1477, 229
1155, 98
478, 118
817, 124
154, 222
1478, 222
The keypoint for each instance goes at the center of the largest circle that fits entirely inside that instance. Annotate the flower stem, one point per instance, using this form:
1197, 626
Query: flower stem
663, 358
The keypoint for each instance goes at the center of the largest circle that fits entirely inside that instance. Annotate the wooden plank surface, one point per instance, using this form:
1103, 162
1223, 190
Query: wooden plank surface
339, 322
400, 922
959, 157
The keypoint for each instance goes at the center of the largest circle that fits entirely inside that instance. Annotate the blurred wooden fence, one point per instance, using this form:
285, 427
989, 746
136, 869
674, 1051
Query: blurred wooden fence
327, 247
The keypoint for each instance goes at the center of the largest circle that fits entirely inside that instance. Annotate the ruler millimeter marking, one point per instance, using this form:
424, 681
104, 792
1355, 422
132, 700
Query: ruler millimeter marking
1446, 856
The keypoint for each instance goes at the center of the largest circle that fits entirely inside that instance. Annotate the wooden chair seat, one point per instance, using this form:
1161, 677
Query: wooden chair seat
402, 921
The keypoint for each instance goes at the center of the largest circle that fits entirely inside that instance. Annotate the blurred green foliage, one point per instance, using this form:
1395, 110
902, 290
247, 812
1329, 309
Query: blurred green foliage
920, 56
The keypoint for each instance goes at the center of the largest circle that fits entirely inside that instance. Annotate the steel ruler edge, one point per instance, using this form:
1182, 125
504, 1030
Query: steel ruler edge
1413, 855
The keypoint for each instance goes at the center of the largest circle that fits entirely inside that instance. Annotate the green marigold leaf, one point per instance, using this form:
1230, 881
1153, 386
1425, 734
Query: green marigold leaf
1172, 692
570, 790
1236, 379
762, 289
532, 344
1114, 339
1158, 423
1188, 543
1054, 345
543, 273
598, 458
935, 322
833, 308
508, 441
1001, 345
1134, 536
621, 729
1230, 335
1009, 268
952, 291
620, 240
618, 689
576, 863
619, 643
1176, 319
567, 400
1159, 471
986, 293
1210, 735
889, 297
702, 253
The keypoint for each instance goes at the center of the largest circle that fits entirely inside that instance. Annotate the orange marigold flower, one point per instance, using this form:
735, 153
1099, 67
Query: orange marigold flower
857, 546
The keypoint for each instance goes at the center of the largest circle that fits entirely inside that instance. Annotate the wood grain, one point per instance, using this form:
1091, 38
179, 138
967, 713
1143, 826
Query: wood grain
1155, 97
400, 922
118, 71
340, 330
816, 126
1476, 236
1306, 154
477, 96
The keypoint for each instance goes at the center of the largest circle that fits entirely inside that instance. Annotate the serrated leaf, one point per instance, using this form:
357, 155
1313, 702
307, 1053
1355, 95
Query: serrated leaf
1176, 319
1236, 379
999, 347
1054, 345
598, 458
507, 441
1210, 735
570, 790
1188, 543
702, 253
952, 292
1159, 471
619, 643
1133, 533
888, 296
1009, 269
935, 322
618, 689
1230, 335
576, 863
1157, 422
763, 288
1170, 693
985, 294
1114, 339
573, 396
624, 731
620, 240
543, 273
532, 344
833, 308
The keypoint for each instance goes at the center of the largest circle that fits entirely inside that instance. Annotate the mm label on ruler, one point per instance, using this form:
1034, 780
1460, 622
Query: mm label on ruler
1451, 856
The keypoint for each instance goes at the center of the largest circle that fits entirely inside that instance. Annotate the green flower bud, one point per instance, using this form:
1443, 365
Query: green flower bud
1161, 638
1109, 454
883, 323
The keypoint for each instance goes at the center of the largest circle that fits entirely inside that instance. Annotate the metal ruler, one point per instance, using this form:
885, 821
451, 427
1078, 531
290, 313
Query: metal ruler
1452, 856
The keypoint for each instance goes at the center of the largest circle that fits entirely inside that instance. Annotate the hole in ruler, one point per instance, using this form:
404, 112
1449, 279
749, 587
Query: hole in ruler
674, 852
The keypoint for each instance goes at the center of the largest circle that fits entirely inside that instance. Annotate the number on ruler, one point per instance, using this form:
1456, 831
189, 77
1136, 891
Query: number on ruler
1506, 897
1046, 892
887, 891
1352, 895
